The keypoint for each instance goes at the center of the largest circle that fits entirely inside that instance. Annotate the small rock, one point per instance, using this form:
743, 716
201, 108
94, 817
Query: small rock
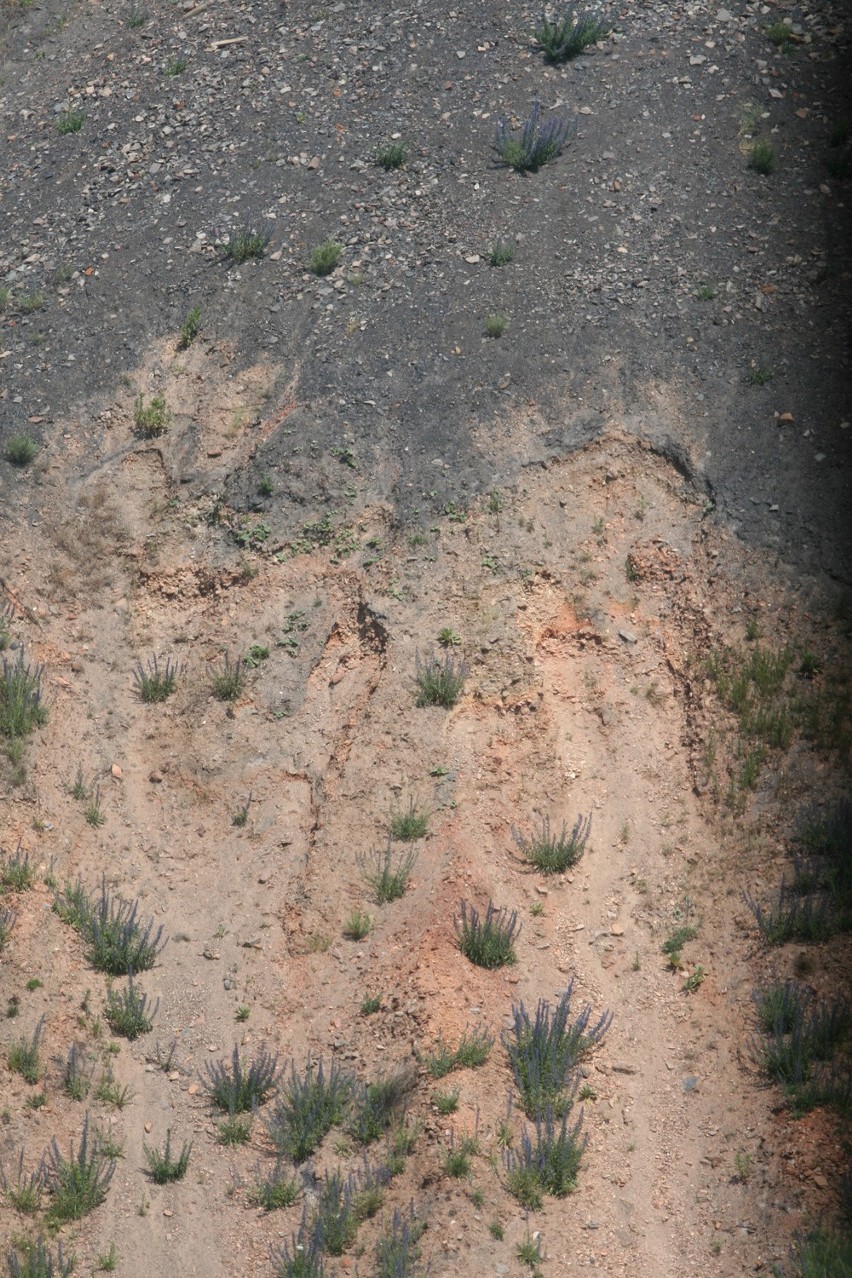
628, 636
617, 929
148, 1126
155, 778
116, 771
690, 1083
622, 1068
785, 418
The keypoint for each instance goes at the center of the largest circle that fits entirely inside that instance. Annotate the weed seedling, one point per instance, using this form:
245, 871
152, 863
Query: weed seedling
229, 682
763, 158
163, 1168
23, 1056
176, 66
357, 926
245, 243
236, 1090
127, 1013
77, 1184
151, 420
551, 852
392, 155
276, 1192
440, 682
538, 143
21, 708
92, 811
16, 872
326, 257
240, 817
446, 1102
570, 35
495, 325
529, 1251
457, 1159
155, 682
70, 121
36, 1260
235, 1130
387, 879
473, 1050
488, 942
371, 1004
21, 450
409, 825
502, 253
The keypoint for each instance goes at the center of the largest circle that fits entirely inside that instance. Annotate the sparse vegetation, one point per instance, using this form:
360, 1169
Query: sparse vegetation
495, 324
371, 1004
21, 450
440, 681
116, 942
763, 158
236, 1090
77, 1184
128, 1014
547, 1164
244, 243
551, 852
458, 1156
378, 1105
490, 941
176, 65
163, 1166
192, 324
446, 1102
229, 682
311, 1104
70, 121
24, 1056
392, 155
502, 253
544, 1052
569, 35
234, 1130
151, 420
326, 257
396, 1251
17, 874
277, 1191
37, 1259
758, 375
21, 708
538, 143
410, 824
155, 683
357, 926
386, 877
473, 1050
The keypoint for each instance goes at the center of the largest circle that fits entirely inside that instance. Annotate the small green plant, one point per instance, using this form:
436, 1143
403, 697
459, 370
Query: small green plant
26, 1193
547, 1164
36, 1260
439, 682
539, 141
240, 817
406, 826
447, 638
544, 1052
744, 1164
392, 155
34, 984
490, 941
77, 1184
116, 942
75, 1081
277, 1191
265, 485
371, 1004
21, 450
7, 922
137, 17
92, 812
17, 874
192, 324
244, 243
151, 420
763, 158
551, 852
302, 1257
377, 1106
457, 1158
673, 945
336, 1224
113, 1093
163, 1167
397, 1252
70, 121
257, 653
569, 35
502, 253
759, 376
235, 1130
357, 926
529, 1251
495, 324
23, 1056
154, 682
236, 1090
229, 682
446, 1102
311, 1104
706, 292
326, 257
242, 1013
496, 1230
176, 65
473, 1050
386, 877
21, 708
779, 33
128, 1014
694, 980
